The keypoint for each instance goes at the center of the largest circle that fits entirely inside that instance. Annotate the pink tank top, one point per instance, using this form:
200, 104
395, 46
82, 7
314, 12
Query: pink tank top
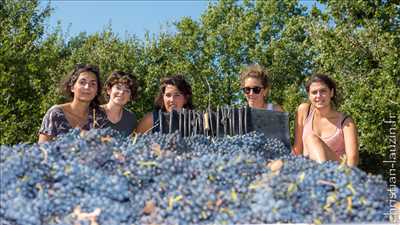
334, 142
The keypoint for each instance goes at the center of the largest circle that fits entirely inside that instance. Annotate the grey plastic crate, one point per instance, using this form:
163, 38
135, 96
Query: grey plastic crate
225, 121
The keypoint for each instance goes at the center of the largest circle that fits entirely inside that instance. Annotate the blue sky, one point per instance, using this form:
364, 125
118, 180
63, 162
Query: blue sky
132, 17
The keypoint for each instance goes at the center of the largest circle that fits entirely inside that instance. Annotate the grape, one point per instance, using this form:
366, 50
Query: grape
165, 178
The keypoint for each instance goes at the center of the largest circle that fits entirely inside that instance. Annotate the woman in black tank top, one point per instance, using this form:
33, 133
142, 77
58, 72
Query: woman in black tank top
175, 93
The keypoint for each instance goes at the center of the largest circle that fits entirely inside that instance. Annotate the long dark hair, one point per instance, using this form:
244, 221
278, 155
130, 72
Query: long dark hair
73, 77
323, 78
181, 84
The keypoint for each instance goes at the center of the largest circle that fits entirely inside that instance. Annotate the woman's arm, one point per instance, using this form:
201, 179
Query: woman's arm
44, 138
145, 124
48, 129
278, 108
351, 142
298, 128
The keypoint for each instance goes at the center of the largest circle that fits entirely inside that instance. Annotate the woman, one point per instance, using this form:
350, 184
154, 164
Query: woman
256, 87
120, 88
83, 86
321, 132
174, 94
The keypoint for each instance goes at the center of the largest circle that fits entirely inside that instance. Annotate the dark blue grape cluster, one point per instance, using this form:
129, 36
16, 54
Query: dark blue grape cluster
100, 177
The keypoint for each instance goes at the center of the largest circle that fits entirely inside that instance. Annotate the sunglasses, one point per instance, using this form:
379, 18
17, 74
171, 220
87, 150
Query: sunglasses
256, 90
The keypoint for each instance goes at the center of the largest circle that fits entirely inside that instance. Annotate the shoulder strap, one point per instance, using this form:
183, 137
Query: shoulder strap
344, 119
155, 121
309, 109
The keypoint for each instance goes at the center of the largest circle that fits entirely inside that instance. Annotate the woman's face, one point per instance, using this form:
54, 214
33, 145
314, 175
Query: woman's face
173, 98
120, 94
254, 91
320, 95
85, 87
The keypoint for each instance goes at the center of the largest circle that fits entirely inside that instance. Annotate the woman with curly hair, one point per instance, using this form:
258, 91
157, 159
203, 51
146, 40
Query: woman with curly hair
120, 89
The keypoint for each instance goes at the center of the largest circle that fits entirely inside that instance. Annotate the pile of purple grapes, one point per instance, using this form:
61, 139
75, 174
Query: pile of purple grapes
100, 177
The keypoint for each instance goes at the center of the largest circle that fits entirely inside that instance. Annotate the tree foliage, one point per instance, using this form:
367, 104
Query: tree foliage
356, 42
25, 60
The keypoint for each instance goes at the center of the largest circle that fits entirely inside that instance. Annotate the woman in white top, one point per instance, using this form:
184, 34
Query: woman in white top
256, 87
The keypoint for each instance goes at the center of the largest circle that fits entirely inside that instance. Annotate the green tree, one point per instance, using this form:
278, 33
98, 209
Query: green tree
24, 60
231, 35
358, 43
104, 49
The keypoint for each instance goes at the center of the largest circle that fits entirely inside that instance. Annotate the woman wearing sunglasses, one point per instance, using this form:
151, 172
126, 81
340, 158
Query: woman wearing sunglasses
321, 132
174, 94
83, 112
256, 86
120, 89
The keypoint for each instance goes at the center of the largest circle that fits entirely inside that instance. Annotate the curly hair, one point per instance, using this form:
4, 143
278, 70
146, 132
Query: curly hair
120, 77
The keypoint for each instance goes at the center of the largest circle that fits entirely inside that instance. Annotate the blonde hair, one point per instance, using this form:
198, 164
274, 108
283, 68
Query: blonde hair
255, 71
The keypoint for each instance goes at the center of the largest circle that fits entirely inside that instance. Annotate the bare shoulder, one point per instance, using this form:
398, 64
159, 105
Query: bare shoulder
303, 107
145, 123
348, 121
148, 117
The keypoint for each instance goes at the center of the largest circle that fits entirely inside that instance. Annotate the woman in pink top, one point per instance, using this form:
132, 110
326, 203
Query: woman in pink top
321, 132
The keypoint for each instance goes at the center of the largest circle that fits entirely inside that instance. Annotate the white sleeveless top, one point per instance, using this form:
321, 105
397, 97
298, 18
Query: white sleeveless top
270, 107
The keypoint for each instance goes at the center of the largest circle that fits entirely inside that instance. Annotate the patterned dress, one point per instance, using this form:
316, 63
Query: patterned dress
55, 122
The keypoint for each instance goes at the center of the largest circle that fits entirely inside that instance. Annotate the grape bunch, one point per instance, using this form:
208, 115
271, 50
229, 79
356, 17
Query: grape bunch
99, 177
